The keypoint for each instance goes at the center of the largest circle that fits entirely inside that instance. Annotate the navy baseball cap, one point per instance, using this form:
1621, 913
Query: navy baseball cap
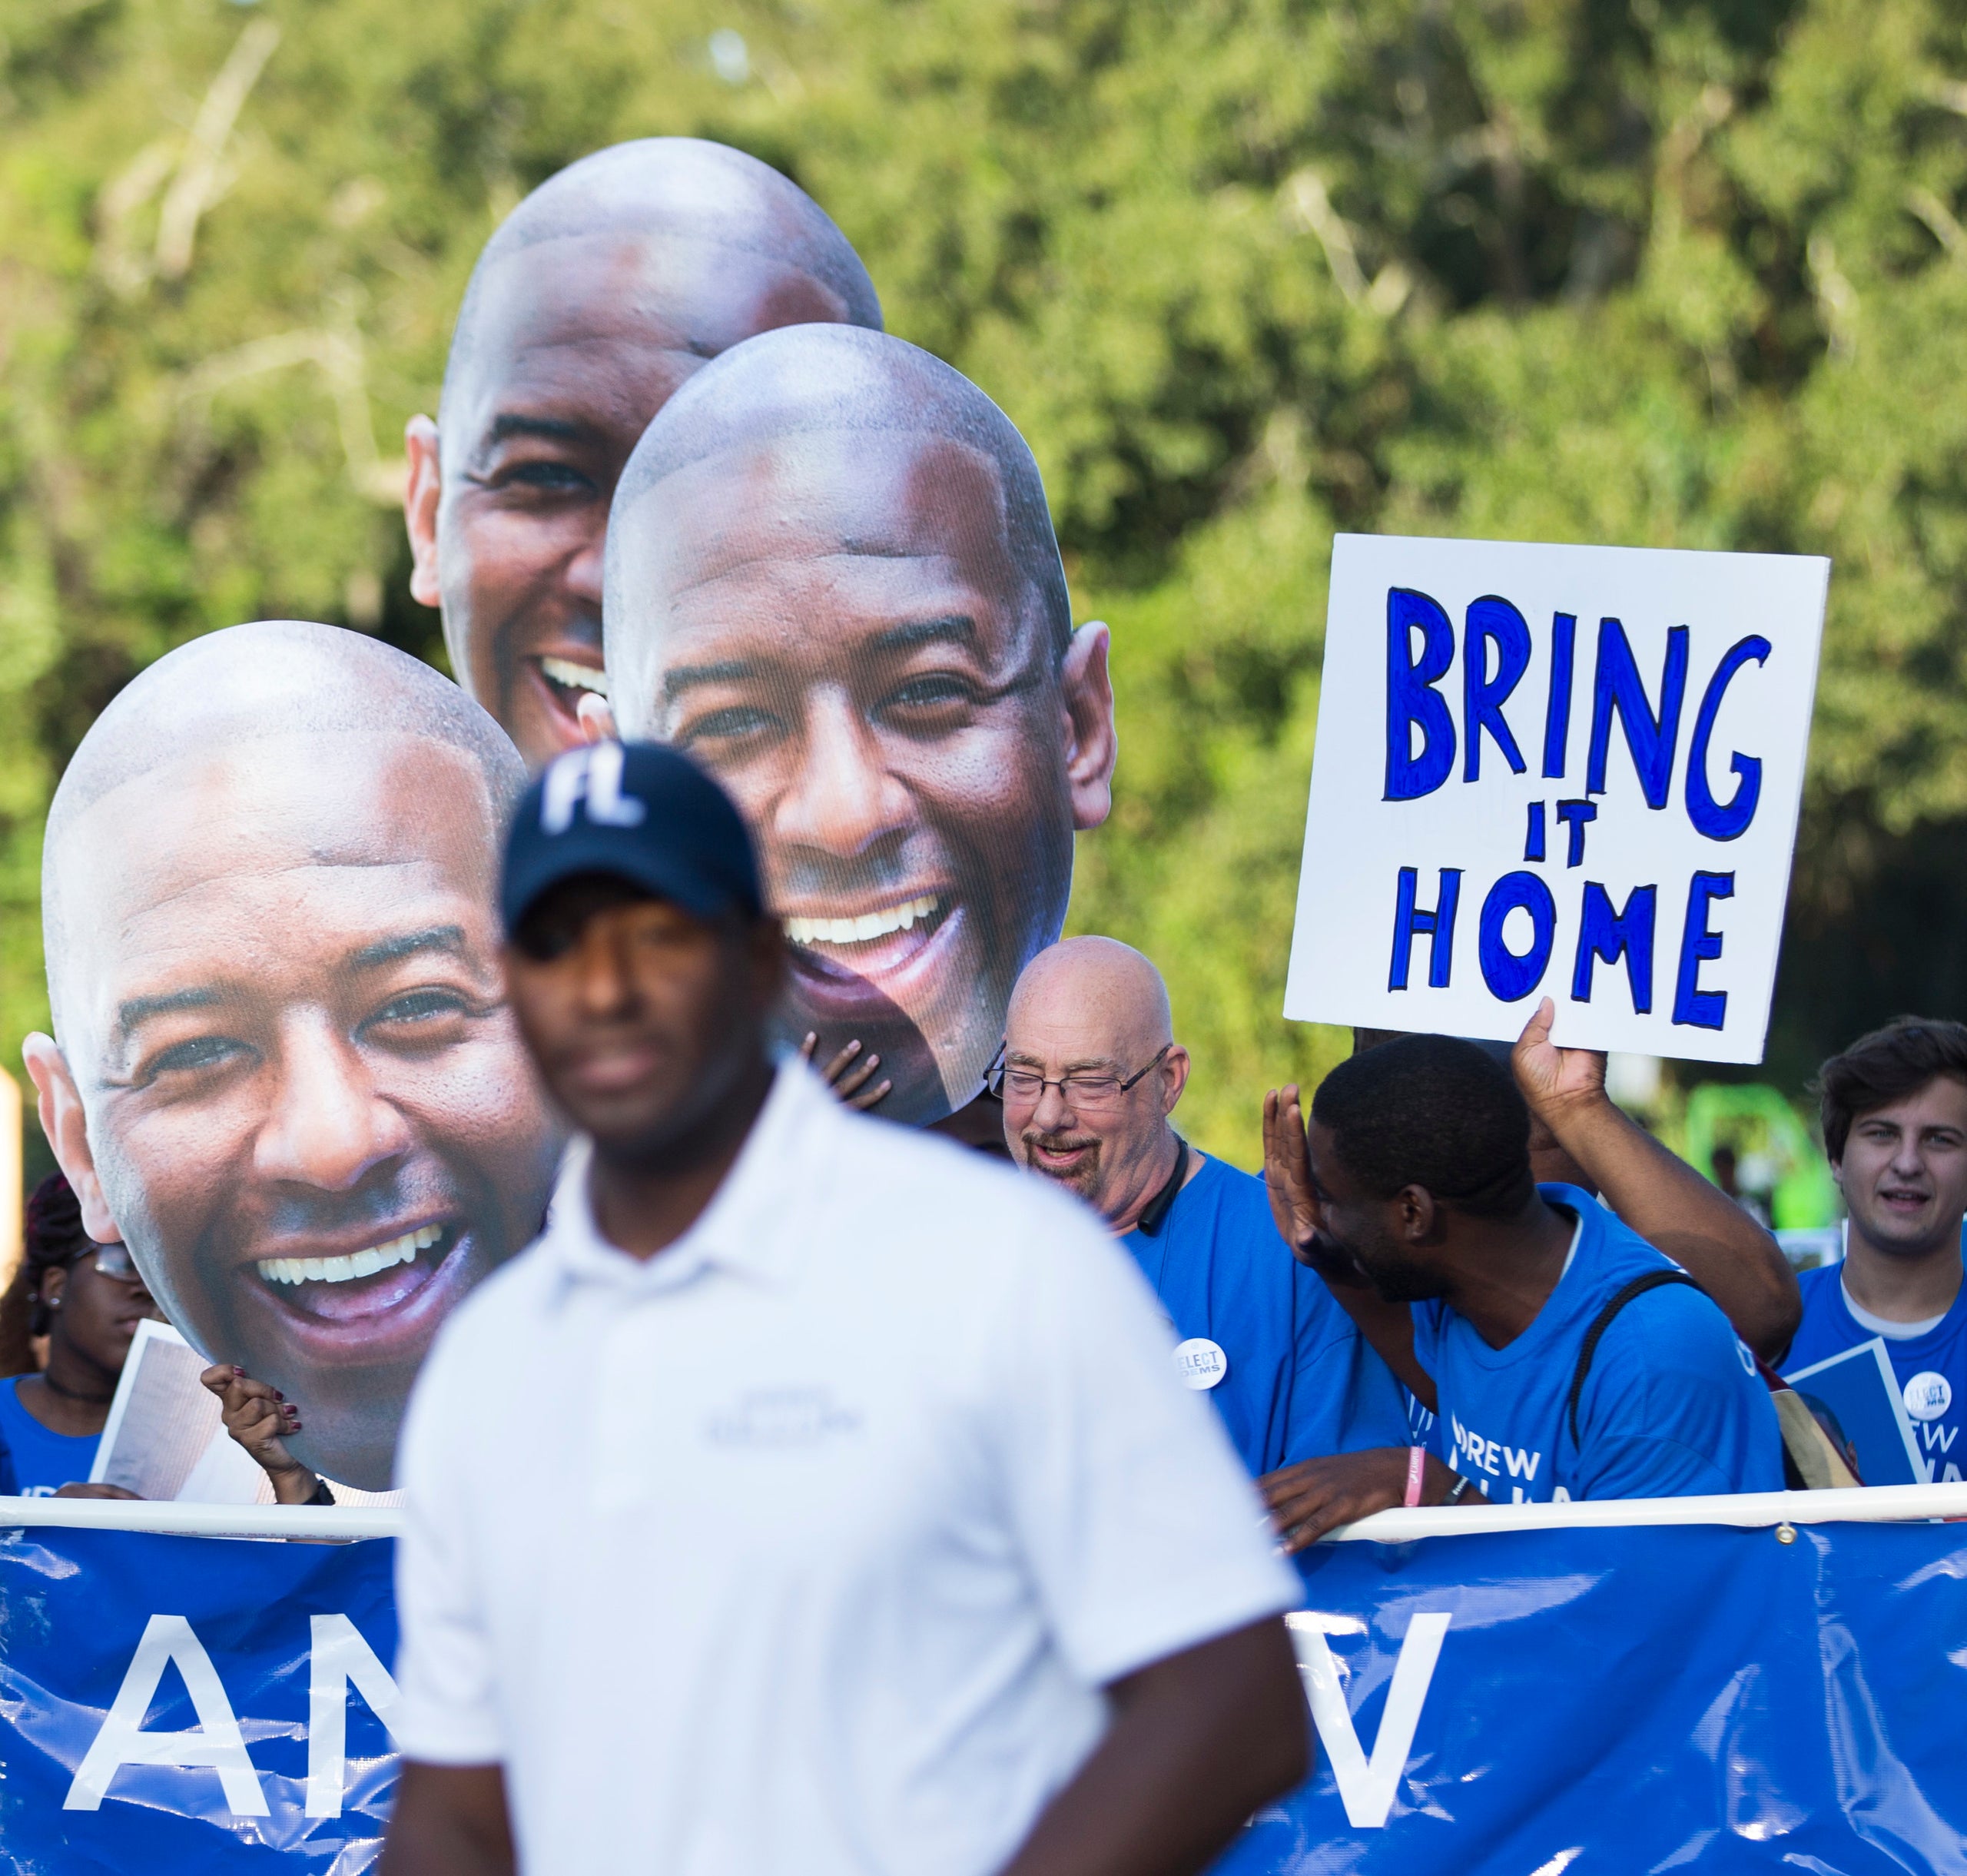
639, 811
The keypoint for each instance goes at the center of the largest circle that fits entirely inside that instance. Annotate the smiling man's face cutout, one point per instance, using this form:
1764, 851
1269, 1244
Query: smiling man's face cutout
850, 628
286, 1076
603, 292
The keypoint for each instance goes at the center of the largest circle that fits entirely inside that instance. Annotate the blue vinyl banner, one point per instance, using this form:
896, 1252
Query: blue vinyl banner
1514, 1704
1620, 1699
193, 1704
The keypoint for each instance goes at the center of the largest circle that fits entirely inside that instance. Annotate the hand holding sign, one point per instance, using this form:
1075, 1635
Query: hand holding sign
1589, 790
1553, 1079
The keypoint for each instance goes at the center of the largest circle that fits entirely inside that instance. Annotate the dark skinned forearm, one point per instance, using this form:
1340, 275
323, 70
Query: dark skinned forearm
1316, 1496
1198, 1741
1657, 1194
449, 1821
1695, 1223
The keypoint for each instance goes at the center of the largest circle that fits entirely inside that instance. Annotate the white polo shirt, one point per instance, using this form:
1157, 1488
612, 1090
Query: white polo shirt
808, 1544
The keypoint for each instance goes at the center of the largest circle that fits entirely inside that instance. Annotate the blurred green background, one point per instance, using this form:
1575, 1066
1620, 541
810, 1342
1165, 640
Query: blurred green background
1643, 271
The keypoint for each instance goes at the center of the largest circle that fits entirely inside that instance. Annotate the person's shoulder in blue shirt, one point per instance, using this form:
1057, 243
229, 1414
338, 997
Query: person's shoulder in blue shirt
10, 1486
1672, 1405
43, 1460
1298, 1380
1930, 1363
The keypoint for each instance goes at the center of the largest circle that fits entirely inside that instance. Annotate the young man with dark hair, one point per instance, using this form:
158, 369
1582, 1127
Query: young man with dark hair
1895, 1126
1566, 1358
866, 1527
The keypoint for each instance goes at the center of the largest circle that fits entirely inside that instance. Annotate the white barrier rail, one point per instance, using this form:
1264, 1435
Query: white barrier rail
1861, 1504
169, 1518
1878, 1504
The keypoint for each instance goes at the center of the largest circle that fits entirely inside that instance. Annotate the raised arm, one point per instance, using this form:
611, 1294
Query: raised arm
1198, 1741
1389, 1327
1656, 1193
449, 1821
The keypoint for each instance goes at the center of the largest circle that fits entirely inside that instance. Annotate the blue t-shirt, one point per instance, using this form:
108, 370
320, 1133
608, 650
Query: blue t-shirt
1299, 1380
43, 1461
1672, 1406
1930, 1369
10, 1486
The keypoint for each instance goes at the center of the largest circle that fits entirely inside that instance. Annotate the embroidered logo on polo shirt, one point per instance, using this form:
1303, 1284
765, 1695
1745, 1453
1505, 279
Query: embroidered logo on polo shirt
781, 1417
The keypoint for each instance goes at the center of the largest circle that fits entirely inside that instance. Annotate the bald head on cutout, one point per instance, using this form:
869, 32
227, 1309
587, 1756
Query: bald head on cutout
1091, 1071
282, 1070
832, 578
600, 294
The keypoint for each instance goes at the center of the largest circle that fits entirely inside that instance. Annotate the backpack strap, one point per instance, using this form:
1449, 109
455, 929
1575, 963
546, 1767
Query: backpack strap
1650, 1279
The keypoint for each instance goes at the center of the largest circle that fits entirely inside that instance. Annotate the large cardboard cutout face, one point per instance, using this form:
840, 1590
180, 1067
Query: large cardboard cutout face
850, 628
286, 1075
603, 292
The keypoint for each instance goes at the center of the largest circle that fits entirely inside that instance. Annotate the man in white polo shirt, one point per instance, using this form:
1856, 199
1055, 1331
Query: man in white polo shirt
814, 1497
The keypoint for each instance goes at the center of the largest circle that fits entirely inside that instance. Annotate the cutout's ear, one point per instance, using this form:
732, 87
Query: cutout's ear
59, 1103
596, 716
1092, 746
422, 489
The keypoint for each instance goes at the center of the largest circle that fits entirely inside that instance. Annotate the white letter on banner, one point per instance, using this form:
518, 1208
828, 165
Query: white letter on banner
340, 1655
1368, 1789
123, 1741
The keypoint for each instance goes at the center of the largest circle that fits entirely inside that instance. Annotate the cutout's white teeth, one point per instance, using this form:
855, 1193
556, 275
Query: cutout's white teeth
859, 931
576, 677
346, 1269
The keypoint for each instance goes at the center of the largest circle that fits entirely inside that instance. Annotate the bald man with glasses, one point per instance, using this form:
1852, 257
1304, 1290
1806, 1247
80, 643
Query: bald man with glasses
1091, 1074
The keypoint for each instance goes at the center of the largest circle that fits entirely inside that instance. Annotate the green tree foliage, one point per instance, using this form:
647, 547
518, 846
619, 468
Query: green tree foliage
1684, 272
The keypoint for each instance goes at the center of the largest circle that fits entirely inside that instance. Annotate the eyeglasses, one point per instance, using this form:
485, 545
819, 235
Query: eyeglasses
1088, 1093
113, 1261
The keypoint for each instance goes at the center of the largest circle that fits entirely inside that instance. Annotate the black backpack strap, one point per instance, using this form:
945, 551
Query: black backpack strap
1651, 1279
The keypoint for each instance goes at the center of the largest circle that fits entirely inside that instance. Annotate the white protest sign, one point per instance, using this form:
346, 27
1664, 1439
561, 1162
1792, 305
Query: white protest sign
1563, 771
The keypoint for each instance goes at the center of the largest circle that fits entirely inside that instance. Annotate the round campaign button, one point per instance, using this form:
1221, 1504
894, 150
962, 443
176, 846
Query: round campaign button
1928, 1395
1201, 1362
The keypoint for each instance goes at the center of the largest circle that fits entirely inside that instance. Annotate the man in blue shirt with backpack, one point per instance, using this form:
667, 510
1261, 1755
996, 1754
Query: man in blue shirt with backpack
1566, 1357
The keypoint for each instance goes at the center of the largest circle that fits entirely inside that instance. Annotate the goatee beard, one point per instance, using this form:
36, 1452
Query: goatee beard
1083, 1179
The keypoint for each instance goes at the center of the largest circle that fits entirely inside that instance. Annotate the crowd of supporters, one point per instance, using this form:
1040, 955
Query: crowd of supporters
1502, 1288
1029, 1588
1466, 1276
